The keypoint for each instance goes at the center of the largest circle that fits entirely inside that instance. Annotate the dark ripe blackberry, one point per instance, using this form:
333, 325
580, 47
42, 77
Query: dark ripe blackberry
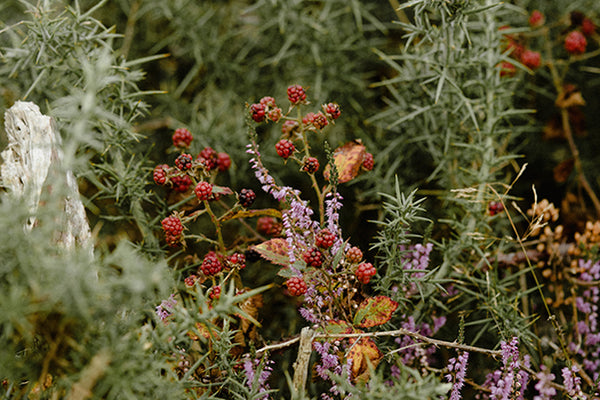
246, 197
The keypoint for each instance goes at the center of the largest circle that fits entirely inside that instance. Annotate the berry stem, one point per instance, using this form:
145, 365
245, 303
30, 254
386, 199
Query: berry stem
217, 224
558, 81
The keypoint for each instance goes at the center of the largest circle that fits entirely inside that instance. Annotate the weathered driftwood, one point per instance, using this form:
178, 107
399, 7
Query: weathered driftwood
33, 150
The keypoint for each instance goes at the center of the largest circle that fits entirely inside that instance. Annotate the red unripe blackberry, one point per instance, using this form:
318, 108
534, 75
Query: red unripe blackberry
536, 19
296, 286
238, 260
275, 114
209, 158
268, 101
182, 138
223, 161
495, 207
268, 226
214, 292
181, 183
311, 165
184, 162
308, 118
160, 174
211, 264
258, 112
575, 43
190, 280
296, 94
588, 27
313, 257
354, 255
364, 272
289, 127
531, 59
325, 238
173, 230
320, 121
246, 197
332, 110
368, 161
507, 69
285, 148
203, 190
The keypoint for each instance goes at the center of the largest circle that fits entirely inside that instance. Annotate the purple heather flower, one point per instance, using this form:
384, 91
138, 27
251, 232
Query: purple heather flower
459, 367
572, 382
545, 391
260, 380
164, 310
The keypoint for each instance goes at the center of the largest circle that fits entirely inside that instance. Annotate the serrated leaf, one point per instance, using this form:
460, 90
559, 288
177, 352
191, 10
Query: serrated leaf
363, 354
221, 190
274, 250
374, 311
348, 159
336, 327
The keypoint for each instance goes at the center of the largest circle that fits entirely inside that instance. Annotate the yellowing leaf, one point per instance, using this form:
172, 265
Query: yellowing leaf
374, 311
348, 159
274, 250
363, 354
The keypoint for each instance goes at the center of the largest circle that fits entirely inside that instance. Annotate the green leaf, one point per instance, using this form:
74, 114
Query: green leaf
274, 250
374, 311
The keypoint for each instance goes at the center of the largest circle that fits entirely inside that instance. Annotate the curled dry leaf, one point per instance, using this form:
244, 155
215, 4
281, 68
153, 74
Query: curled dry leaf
348, 160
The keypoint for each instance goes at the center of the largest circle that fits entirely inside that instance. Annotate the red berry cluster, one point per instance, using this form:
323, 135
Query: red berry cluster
318, 120
364, 272
495, 207
223, 161
354, 255
211, 265
203, 190
285, 148
246, 197
160, 174
531, 59
268, 226
368, 162
184, 162
332, 110
208, 158
311, 165
536, 19
173, 230
214, 292
237, 260
325, 238
296, 286
313, 257
575, 43
182, 138
265, 109
296, 94
190, 280
181, 183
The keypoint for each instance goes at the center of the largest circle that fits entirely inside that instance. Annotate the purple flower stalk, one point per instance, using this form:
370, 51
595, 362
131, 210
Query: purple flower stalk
503, 382
545, 391
572, 382
459, 367
250, 367
164, 310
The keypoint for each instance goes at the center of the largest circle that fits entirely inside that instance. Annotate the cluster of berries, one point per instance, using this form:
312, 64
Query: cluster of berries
582, 28
265, 109
516, 47
180, 178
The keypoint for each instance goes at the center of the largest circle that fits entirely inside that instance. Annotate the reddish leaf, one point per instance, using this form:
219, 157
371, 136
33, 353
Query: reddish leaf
348, 159
337, 327
374, 311
363, 354
274, 250
221, 190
